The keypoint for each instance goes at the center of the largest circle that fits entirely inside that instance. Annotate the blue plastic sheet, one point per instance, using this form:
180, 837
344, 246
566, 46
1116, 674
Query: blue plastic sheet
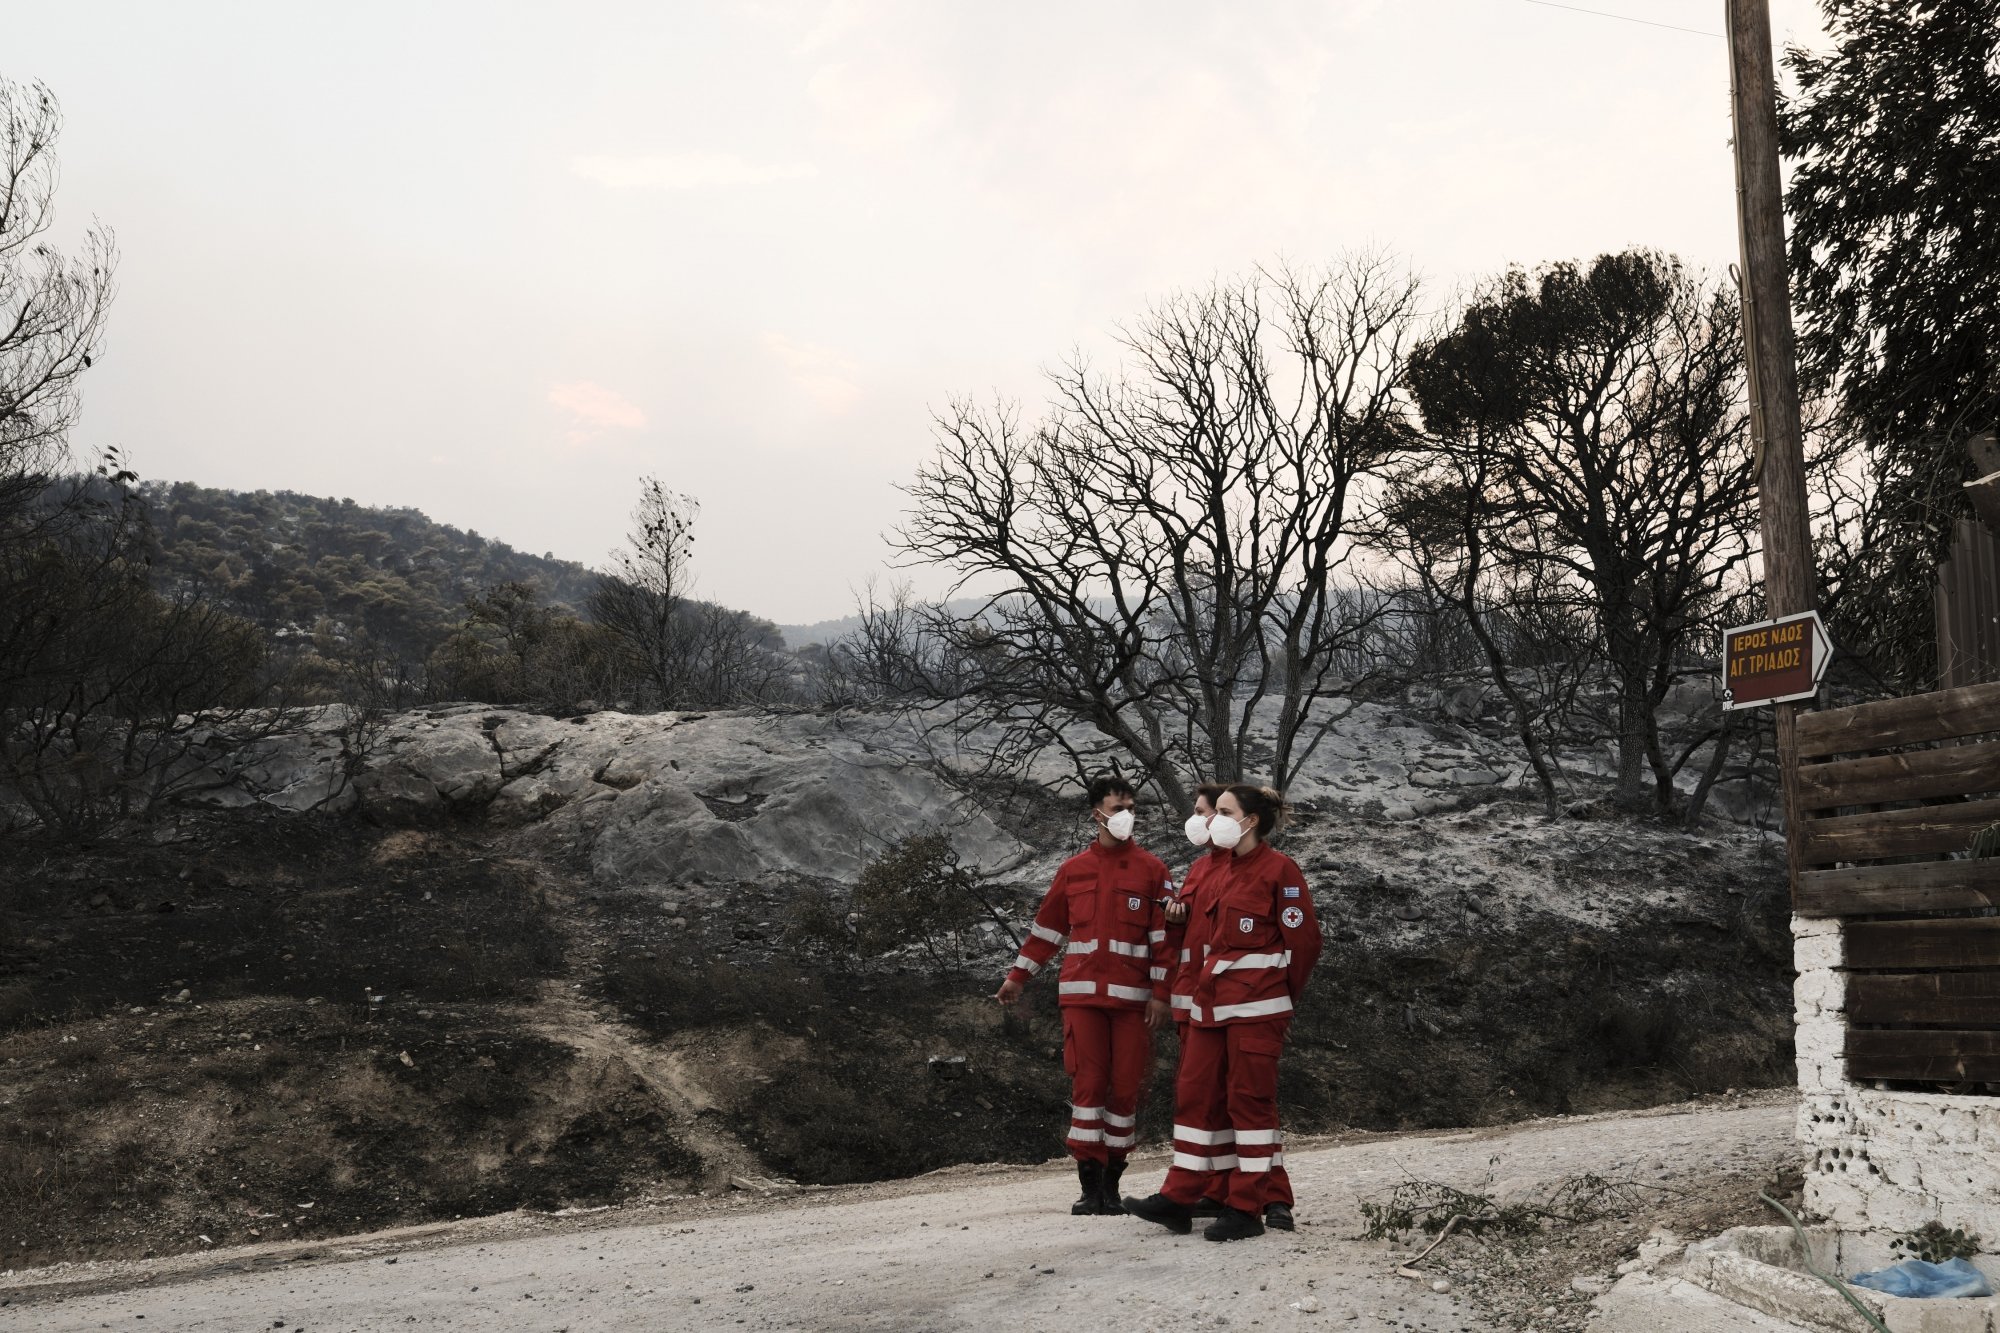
1914, 1277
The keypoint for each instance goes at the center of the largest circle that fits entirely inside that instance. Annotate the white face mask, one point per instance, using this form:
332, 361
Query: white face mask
1197, 830
1224, 832
1119, 825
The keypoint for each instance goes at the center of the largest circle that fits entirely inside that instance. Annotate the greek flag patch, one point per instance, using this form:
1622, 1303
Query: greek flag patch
1291, 893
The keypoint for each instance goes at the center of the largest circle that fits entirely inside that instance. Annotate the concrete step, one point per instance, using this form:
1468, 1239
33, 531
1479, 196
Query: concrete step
1643, 1303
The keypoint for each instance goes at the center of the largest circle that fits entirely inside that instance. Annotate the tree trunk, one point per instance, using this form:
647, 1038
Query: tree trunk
1524, 720
1630, 792
1720, 756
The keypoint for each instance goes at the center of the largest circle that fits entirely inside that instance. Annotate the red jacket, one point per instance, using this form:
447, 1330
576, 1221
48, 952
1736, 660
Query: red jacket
1260, 943
1186, 941
1106, 906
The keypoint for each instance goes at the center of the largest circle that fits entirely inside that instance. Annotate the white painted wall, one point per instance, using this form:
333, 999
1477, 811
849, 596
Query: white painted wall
1879, 1160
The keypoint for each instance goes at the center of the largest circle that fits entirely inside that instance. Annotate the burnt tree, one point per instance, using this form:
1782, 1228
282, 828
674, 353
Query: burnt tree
1165, 553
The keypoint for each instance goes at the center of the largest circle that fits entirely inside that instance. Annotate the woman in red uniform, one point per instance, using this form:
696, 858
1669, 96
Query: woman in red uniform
1258, 939
1187, 934
1184, 936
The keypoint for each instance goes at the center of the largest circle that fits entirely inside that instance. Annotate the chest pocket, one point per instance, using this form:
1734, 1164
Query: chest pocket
1243, 917
1131, 904
1082, 902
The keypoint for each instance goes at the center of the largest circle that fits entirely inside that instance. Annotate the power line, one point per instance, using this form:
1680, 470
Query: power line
1625, 18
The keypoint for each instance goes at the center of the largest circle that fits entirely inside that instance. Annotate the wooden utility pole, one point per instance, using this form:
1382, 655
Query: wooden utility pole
1767, 339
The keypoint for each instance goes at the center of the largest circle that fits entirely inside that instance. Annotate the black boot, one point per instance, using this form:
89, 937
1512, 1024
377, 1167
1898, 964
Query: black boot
1234, 1224
1278, 1216
1175, 1217
1107, 1189
1208, 1208
1090, 1172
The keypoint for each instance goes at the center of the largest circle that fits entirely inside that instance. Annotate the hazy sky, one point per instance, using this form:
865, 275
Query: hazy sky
497, 260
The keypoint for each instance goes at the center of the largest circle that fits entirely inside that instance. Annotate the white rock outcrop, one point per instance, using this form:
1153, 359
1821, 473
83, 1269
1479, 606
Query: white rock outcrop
669, 797
734, 796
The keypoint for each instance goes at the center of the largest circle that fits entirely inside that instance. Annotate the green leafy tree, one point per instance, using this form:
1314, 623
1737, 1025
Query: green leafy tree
1585, 429
1893, 138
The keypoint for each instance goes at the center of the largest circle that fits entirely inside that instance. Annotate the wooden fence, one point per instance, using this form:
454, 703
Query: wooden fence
1891, 796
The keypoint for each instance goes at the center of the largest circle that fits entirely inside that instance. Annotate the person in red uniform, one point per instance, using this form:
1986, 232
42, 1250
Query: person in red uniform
1187, 931
1259, 941
1106, 905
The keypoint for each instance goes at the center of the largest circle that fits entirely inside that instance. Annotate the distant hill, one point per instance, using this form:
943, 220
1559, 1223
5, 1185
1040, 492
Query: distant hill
826, 631
820, 631
286, 561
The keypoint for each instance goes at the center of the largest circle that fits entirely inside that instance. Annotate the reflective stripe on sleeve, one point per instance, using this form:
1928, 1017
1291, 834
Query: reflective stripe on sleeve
1183, 1001
1136, 993
1255, 1009
1157, 936
1027, 964
1159, 973
1040, 931
1088, 988
1187, 956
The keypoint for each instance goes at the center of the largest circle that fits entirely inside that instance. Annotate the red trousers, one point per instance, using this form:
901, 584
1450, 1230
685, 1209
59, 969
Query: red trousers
1227, 1144
1106, 1052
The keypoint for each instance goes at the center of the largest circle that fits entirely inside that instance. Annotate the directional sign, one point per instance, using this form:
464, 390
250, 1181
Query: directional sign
1774, 661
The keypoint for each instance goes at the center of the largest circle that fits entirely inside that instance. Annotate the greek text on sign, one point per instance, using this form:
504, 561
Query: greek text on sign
1774, 661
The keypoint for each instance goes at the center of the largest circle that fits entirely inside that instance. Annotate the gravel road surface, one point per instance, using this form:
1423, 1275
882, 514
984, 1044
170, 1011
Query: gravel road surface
969, 1249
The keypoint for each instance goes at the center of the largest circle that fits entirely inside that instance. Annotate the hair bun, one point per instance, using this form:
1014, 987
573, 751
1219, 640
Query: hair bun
1267, 803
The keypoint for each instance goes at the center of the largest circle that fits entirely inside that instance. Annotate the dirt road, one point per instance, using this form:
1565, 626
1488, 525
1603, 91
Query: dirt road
970, 1249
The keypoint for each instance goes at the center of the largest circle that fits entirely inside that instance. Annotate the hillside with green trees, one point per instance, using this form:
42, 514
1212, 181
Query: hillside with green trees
285, 562
386, 606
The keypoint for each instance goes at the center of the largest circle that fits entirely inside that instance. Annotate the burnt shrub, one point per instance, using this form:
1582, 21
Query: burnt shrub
664, 996
834, 1123
917, 890
56, 1170
1635, 1033
34, 1177
817, 925
271, 906
917, 1075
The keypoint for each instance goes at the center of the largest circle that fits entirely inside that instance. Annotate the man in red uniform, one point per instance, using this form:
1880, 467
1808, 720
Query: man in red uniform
1259, 941
1105, 903
1188, 917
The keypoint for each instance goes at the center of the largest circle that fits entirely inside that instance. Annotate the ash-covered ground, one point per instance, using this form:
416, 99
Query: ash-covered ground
521, 962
